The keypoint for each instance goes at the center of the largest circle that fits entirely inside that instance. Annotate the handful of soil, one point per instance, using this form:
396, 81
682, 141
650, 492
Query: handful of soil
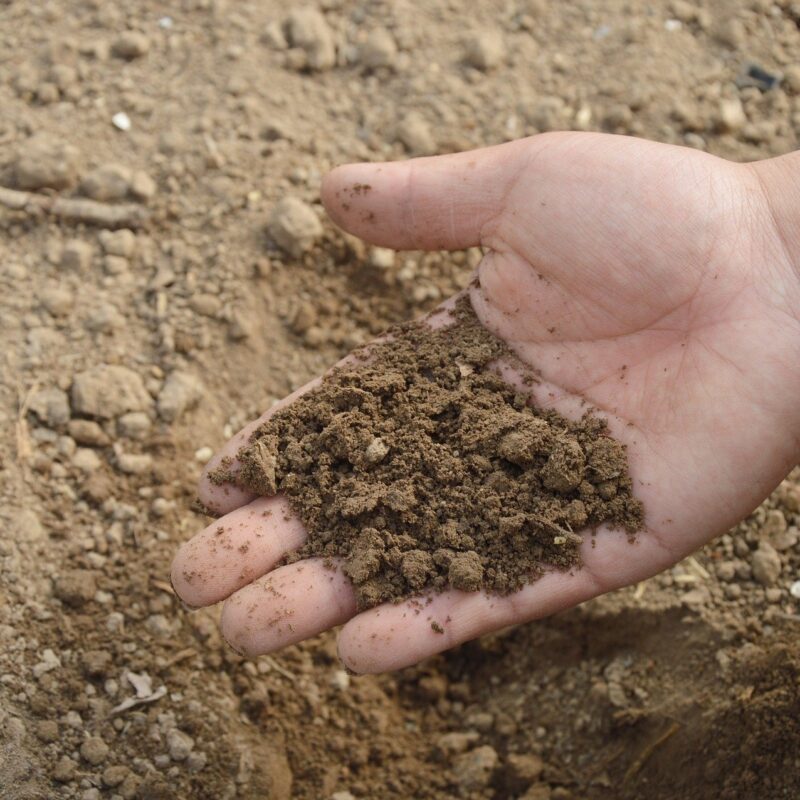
422, 469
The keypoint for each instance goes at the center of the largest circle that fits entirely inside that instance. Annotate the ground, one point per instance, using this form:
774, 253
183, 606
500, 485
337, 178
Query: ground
128, 355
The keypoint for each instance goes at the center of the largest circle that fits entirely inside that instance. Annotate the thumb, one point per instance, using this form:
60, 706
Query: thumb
439, 203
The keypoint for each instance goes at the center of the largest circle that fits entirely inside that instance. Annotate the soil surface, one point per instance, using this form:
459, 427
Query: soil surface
421, 469
167, 273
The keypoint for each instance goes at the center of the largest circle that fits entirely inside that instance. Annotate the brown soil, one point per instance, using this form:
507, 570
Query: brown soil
684, 686
423, 470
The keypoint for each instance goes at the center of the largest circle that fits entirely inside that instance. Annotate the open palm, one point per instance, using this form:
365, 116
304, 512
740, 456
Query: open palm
650, 281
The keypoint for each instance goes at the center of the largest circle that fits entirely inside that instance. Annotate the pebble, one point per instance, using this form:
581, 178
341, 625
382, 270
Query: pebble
415, 135
345, 795
130, 45
203, 454
134, 463
95, 663
485, 51
76, 587
107, 391
179, 744
521, 770
794, 590
47, 730
206, 304
26, 526
766, 564
196, 761
340, 680
118, 243
773, 594
57, 300
473, 770
107, 183
295, 226
142, 186
378, 50
76, 254
376, 451
134, 425
88, 432
382, 257
94, 750
45, 162
449, 744
86, 460
308, 29
791, 78
121, 121
51, 406
731, 116
181, 392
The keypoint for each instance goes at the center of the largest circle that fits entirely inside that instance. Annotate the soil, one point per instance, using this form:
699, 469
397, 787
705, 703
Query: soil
193, 122
422, 469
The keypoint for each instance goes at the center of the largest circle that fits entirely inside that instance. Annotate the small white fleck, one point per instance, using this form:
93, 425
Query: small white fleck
121, 121
165, 23
673, 25
203, 454
794, 589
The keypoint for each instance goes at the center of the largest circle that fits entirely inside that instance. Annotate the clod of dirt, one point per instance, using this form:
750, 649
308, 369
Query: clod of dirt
307, 29
130, 45
45, 162
414, 133
107, 391
485, 50
294, 226
120, 243
378, 50
181, 391
107, 183
422, 469
76, 255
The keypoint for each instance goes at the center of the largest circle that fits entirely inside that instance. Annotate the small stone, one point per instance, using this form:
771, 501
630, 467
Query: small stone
540, 791
379, 49
86, 460
181, 392
76, 587
382, 258
465, 571
130, 45
88, 432
114, 776
64, 770
134, 463
766, 564
345, 795
794, 590
121, 121
239, 327
473, 770
415, 135
107, 183
118, 243
107, 391
51, 406
731, 116
486, 50
179, 744
115, 265
47, 730
340, 680
26, 526
726, 571
142, 187
774, 525
203, 454
294, 226
76, 255
134, 425
94, 750
307, 29
57, 300
45, 162
206, 304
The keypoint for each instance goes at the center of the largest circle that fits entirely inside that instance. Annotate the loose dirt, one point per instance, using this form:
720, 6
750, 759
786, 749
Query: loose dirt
423, 470
196, 318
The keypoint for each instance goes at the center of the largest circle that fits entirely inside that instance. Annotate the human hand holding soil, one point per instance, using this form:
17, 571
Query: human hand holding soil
659, 285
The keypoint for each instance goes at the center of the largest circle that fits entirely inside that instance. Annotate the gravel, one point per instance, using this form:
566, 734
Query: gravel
107, 391
295, 226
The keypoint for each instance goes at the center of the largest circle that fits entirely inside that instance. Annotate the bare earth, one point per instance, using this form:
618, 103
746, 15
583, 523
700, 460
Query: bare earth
128, 353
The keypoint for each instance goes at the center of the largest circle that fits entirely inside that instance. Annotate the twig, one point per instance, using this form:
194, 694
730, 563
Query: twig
648, 750
278, 668
74, 209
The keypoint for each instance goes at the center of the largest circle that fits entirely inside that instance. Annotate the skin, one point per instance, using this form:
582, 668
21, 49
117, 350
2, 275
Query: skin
659, 283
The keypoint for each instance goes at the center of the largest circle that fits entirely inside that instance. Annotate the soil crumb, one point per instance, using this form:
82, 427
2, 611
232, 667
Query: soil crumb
422, 469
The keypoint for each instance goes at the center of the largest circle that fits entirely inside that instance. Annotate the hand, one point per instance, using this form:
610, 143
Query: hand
657, 282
